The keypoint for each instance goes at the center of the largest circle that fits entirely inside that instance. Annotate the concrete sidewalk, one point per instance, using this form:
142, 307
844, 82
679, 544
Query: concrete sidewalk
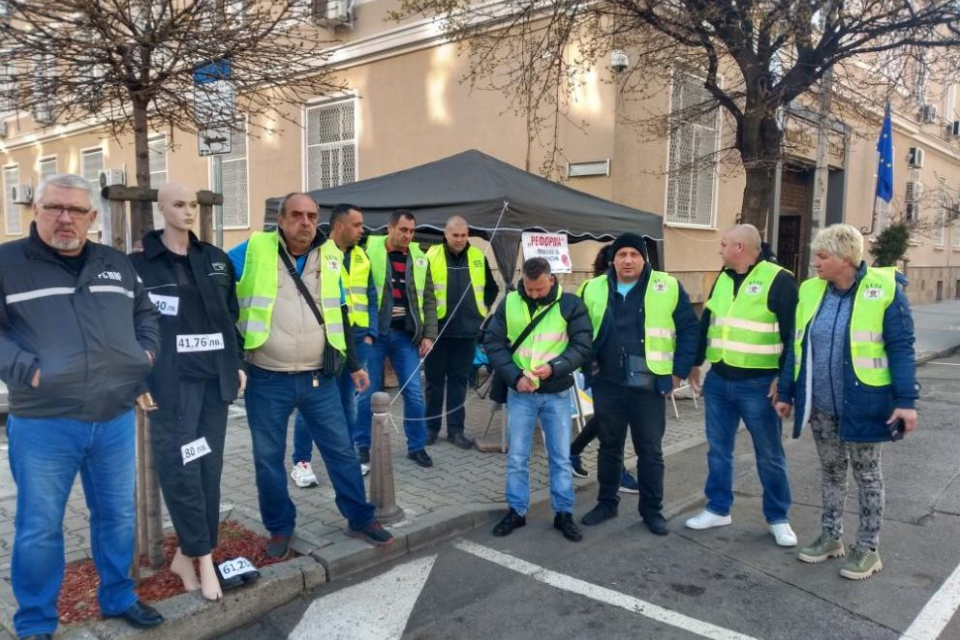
462, 491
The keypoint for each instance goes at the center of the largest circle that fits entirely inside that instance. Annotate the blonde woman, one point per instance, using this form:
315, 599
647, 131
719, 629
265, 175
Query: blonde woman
851, 376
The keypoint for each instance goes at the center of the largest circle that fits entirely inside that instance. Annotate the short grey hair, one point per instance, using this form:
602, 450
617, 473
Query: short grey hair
747, 234
66, 181
282, 208
842, 241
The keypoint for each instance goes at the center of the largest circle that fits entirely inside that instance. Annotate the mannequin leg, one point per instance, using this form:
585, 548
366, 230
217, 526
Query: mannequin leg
209, 584
183, 567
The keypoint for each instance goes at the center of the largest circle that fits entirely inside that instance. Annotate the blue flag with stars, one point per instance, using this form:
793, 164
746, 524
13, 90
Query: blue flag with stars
885, 166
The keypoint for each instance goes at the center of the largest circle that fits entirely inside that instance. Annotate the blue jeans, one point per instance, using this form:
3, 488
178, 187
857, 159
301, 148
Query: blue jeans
45, 456
302, 441
405, 357
553, 410
727, 402
270, 398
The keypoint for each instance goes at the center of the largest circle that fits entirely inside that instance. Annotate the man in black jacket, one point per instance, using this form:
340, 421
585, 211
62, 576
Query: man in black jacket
646, 340
78, 336
538, 337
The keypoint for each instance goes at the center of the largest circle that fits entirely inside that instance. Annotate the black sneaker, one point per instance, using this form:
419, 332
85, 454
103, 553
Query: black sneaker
364, 453
578, 470
511, 521
564, 523
421, 458
432, 437
278, 547
460, 441
374, 533
599, 514
657, 524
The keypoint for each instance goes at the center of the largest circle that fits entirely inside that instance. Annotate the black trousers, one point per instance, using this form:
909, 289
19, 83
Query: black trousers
585, 437
192, 490
618, 407
448, 366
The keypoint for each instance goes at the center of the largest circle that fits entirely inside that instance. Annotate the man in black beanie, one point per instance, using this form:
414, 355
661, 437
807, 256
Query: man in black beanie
645, 341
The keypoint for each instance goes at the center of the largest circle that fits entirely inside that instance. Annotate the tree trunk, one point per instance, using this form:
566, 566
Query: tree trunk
141, 213
760, 141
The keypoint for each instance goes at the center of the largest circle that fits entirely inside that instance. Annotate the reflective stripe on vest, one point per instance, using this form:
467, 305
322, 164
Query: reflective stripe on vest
743, 331
437, 256
377, 253
874, 294
257, 291
659, 303
546, 342
355, 285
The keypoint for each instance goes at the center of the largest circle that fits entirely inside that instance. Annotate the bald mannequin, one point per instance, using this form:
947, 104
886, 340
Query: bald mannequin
457, 234
178, 206
740, 247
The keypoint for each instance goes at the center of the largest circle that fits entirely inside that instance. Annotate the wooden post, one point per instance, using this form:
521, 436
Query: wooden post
206, 200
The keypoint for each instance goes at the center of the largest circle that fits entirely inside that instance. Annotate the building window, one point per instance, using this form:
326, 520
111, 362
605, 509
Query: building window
158, 171
11, 210
940, 219
90, 167
236, 201
694, 137
331, 152
47, 169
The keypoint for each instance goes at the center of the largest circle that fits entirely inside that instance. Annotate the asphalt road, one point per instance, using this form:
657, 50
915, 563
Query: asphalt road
733, 582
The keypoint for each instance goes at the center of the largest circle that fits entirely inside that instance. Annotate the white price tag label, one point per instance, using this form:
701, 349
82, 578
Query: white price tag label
190, 343
236, 567
193, 450
166, 305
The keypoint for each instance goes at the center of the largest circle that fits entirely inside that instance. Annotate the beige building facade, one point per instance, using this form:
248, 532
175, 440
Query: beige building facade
406, 105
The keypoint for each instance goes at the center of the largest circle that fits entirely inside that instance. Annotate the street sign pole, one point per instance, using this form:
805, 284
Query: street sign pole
217, 170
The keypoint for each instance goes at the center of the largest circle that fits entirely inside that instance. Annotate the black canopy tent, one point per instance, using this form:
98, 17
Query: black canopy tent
492, 196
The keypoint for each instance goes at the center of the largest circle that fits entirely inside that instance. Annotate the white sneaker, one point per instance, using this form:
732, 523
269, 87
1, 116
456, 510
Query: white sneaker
364, 469
707, 520
784, 534
303, 475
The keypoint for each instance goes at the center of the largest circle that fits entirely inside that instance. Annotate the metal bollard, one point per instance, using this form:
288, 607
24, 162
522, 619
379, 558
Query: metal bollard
382, 492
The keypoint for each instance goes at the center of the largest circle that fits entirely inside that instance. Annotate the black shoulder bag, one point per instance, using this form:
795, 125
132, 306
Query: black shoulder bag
332, 359
499, 387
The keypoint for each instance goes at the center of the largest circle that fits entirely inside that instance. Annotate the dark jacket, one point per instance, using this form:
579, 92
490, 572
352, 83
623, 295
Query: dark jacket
866, 409
213, 273
622, 332
427, 328
466, 320
87, 333
781, 300
579, 332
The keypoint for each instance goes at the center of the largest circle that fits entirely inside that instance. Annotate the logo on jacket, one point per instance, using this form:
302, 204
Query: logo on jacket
219, 266
660, 287
421, 263
873, 292
110, 275
478, 263
754, 288
333, 265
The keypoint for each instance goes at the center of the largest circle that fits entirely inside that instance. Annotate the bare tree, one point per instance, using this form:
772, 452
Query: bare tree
131, 64
754, 57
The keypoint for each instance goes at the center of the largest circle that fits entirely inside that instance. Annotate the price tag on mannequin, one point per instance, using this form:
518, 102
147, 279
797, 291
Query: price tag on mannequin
193, 450
236, 567
199, 342
166, 305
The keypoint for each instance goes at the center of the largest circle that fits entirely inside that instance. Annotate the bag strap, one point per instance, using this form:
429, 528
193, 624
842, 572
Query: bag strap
302, 288
530, 327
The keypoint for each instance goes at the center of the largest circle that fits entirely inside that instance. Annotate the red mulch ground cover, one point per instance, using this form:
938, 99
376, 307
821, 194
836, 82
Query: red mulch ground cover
78, 597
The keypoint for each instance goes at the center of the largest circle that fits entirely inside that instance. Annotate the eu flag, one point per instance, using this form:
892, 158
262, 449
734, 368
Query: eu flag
885, 166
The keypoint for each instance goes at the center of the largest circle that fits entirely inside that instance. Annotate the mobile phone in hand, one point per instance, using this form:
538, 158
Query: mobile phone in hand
897, 429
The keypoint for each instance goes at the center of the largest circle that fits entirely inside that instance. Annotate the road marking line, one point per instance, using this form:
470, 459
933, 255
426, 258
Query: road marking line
936, 615
600, 594
946, 364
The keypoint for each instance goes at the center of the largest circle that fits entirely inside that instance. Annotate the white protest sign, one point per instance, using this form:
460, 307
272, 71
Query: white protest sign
550, 246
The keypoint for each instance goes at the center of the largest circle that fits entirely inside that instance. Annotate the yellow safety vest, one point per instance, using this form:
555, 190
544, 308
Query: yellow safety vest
377, 253
659, 302
257, 291
743, 331
546, 342
437, 256
874, 294
355, 285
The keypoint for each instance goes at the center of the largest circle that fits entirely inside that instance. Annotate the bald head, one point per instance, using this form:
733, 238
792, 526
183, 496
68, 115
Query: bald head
457, 234
740, 247
178, 205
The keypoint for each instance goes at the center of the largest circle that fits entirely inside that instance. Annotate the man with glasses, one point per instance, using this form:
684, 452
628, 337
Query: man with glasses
78, 336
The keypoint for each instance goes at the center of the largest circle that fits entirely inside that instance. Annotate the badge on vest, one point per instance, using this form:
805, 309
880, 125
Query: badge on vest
754, 288
873, 292
333, 265
660, 287
219, 266
421, 263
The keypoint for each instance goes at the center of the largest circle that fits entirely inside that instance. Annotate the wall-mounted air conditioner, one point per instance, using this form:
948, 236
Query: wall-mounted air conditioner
929, 114
915, 158
112, 177
333, 14
21, 194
